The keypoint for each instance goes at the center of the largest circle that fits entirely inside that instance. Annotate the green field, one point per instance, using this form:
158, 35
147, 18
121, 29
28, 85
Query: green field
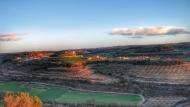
58, 94
188, 59
74, 60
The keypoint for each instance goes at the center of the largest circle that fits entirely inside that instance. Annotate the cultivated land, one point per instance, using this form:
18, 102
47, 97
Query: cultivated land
63, 95
158, 73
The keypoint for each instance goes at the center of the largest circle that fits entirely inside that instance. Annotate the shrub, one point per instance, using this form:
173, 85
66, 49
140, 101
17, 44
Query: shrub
21, 99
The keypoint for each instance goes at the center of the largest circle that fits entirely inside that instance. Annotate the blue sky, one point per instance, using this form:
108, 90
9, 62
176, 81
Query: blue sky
65, 24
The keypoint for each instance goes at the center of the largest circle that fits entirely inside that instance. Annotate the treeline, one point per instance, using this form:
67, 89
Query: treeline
160, 48
158, 62
143, 62
45, 63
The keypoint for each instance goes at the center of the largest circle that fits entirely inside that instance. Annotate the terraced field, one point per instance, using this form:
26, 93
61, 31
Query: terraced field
61, 95
174, 74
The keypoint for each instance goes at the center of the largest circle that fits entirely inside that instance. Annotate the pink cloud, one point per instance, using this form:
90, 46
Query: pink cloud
9, 37
150, 31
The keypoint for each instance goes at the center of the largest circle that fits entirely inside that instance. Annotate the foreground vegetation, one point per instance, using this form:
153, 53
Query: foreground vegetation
21, 99
62, 95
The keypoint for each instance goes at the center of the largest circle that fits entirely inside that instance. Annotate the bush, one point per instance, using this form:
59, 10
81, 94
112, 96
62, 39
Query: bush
21, 99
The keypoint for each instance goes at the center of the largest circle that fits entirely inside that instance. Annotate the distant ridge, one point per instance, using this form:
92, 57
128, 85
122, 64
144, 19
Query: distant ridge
109, 47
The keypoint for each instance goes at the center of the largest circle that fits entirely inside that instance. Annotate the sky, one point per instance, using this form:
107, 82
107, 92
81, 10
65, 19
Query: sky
31, 25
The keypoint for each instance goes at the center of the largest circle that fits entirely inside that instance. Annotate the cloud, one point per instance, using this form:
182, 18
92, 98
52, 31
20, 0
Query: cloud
137, 37
10, 36
150, 31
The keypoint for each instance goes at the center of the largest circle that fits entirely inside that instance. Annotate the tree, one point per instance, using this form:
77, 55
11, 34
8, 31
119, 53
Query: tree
21, 99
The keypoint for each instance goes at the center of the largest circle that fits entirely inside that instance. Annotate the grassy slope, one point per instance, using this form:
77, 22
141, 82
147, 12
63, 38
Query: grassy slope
70, 96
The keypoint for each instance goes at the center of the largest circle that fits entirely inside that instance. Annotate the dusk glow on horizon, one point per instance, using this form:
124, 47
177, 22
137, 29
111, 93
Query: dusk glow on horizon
29, 25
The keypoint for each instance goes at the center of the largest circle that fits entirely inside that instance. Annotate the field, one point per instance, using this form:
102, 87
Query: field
74, 60
62, 95
174, 74
188, 59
